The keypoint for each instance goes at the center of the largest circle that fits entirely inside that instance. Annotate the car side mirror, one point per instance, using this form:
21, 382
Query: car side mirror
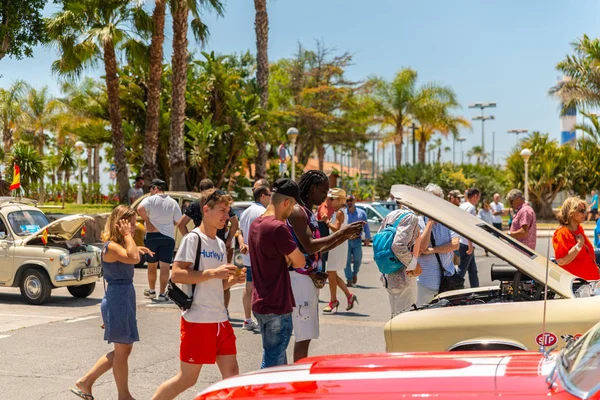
3, 235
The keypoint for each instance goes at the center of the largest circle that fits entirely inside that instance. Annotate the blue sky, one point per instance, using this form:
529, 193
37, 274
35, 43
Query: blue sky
502, 51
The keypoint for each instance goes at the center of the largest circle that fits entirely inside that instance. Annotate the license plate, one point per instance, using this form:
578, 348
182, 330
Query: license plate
91, 271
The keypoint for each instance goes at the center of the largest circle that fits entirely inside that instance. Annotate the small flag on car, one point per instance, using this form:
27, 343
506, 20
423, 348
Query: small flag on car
83, 232
45, 236
16, 183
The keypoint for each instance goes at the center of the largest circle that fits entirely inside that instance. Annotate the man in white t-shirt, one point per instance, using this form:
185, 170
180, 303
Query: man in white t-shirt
206, 334
136, 191
497, 211
262, 197
467, 255
160, 214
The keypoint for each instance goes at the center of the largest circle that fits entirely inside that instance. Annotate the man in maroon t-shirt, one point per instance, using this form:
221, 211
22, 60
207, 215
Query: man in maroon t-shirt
272, 250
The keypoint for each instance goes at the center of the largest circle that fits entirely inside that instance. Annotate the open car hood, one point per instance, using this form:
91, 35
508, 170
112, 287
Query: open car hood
64, 228
486, 236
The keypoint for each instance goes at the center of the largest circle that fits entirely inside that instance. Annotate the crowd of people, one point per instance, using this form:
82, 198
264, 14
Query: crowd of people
294, 239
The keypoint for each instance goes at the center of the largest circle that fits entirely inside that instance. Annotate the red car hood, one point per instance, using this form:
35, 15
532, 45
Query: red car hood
518, 375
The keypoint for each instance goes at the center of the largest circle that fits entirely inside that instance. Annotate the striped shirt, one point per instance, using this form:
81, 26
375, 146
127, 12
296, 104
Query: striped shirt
431, 276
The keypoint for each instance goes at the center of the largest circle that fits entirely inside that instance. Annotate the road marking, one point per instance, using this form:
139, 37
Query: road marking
32, 316
4, 336
70, 321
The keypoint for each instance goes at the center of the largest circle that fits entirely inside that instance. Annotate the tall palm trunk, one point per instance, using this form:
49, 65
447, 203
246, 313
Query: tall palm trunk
261, 26
114, 110
90, 174
97, 163
321, 155
7, 139
179, 62
422, 151
398, 141
149, 169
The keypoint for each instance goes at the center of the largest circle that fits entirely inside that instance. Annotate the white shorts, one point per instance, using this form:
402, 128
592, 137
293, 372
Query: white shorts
306, 312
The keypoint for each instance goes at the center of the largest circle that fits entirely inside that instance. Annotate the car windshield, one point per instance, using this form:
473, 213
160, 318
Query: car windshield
25, 223
383, 210
581, 363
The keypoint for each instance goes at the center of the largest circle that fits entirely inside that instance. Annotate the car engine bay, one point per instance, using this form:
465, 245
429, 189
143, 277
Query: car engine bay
74, 245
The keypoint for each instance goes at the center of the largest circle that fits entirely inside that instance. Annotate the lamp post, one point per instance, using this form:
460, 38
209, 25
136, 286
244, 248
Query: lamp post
462, 153
292, 133
526, 154
79, 145
517, 132
483, 118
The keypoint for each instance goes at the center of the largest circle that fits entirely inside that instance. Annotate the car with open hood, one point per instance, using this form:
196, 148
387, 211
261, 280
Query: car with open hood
573, 373
37, 255
509, 315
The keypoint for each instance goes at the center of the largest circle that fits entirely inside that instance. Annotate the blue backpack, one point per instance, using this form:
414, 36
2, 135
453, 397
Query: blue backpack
384, 257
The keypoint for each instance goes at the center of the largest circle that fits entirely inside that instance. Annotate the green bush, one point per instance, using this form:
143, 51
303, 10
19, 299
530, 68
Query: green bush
488, 179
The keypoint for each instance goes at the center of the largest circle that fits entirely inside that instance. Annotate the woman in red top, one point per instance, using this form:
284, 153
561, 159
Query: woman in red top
572, 248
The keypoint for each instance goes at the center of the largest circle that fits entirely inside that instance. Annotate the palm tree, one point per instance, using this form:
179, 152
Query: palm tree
10, 111
180, 11
68, 162
149, 168
261, 26
40, 114
582, 86
593, 130
400, 100
86, 31
478, 153
30, 164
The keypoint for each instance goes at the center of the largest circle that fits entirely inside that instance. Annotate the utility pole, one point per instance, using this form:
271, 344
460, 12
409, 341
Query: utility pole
414, 127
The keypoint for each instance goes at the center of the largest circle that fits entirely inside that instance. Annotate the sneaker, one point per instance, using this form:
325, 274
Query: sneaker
162, 298
150, 293
250, 326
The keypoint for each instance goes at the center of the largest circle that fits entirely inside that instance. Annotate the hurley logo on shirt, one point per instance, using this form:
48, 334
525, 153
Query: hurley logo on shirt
212, 254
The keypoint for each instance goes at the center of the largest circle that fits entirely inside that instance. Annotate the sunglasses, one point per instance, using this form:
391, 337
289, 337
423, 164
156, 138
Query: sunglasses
582, 210
215, 195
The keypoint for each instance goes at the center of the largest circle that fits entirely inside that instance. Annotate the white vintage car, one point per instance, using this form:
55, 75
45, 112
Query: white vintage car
507, 316
37, 268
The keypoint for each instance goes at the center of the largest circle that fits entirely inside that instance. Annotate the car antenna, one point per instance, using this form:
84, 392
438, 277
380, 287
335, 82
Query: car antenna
543, 350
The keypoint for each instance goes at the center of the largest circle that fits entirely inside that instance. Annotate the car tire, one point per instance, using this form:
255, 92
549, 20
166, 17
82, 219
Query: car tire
35, 286
82, 291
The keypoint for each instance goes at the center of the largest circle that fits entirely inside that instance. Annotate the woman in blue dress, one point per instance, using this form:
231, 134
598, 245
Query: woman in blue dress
119, 255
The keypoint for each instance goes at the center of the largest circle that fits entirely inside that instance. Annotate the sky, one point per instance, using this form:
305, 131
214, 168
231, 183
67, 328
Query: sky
504, 52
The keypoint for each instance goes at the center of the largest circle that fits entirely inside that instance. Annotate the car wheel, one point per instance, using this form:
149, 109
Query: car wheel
35, 286
82, 291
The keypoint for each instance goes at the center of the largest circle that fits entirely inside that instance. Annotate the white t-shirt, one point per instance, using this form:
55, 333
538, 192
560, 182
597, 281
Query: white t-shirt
163, 212
470, 208
209, 302
135, 193
497, 207
246, 219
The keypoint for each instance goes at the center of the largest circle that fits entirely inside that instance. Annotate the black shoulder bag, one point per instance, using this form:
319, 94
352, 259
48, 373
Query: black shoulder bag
178, 296
447, 283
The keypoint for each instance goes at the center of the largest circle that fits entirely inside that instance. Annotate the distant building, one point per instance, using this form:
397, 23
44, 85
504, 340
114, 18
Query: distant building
568, 120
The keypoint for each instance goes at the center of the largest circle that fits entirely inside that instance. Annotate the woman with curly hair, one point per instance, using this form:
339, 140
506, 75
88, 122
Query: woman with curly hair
572, 248
119, 255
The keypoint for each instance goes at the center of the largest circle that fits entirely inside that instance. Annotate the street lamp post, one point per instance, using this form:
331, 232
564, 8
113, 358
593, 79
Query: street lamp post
526, 154
483, 118
79, 145
517, 132
292, 133
462, 153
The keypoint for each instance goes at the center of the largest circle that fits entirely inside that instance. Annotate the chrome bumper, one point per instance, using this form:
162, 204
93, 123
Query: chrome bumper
77, 276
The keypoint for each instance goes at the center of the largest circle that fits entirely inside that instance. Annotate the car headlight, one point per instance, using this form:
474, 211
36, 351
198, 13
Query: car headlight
65, 259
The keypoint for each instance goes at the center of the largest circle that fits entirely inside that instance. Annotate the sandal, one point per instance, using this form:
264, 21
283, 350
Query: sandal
80, 394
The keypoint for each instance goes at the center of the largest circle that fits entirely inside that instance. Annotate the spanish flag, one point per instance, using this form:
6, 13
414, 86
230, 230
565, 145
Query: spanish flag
16, 183
45, 236
83, 232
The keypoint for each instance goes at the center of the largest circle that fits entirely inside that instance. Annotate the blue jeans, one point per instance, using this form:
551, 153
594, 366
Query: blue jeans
354, 259
276, 331
467, 264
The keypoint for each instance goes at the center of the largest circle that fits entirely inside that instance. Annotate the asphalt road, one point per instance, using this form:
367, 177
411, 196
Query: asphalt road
44, 349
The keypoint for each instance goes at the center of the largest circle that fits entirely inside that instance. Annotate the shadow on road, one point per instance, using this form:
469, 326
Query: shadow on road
54, 301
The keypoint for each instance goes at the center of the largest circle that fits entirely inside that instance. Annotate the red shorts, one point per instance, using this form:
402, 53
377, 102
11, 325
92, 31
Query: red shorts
201, 343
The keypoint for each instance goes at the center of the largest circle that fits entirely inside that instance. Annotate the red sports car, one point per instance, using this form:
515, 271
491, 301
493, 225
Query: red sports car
574, 373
